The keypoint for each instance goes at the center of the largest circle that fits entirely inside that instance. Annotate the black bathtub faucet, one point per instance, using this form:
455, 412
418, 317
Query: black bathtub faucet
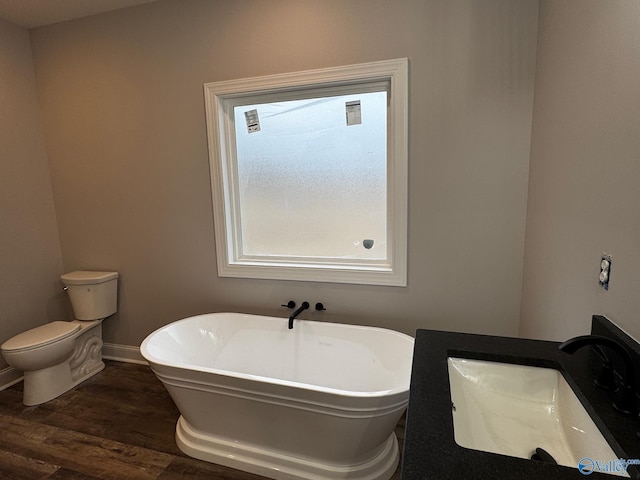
302, 307
626, 401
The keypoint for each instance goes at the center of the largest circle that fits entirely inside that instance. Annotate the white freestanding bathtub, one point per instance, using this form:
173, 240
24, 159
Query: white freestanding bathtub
317, 402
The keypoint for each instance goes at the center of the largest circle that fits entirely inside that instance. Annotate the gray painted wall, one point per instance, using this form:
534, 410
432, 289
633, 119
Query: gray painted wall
122, 102
30, 257
121, 96
584, 189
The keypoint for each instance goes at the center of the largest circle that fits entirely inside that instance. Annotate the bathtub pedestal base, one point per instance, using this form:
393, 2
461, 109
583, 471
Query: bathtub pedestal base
272, 464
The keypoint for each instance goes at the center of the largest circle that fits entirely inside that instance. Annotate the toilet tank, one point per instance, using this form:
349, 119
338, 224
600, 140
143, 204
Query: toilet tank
93, 295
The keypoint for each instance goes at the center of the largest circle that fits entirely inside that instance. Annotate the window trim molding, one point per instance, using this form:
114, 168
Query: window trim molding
219, 112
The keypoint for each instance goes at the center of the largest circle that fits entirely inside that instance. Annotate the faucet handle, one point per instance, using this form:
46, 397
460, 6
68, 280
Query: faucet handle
320, 307
605, 379
289, 304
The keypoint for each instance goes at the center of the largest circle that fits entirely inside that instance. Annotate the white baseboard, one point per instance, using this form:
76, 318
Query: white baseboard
123, 353
9, 376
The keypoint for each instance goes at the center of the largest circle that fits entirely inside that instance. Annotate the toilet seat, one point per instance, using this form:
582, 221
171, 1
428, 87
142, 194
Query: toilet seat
41, 336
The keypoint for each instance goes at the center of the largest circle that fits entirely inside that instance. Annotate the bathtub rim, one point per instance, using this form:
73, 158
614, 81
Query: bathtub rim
162, 364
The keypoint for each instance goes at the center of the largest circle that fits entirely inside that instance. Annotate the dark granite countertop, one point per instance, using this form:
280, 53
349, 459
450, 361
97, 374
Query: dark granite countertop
430, 451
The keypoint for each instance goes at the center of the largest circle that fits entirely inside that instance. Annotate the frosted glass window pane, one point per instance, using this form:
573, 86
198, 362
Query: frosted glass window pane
311, 185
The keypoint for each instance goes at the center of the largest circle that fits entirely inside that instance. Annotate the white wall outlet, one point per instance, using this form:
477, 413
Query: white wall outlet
605, 271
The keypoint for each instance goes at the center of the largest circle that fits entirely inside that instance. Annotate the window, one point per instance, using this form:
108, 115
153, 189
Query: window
309, 174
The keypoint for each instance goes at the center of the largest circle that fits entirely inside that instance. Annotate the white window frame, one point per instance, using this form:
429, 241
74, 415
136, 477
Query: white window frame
220, 100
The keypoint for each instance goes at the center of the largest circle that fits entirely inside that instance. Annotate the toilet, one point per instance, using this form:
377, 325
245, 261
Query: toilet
59, 355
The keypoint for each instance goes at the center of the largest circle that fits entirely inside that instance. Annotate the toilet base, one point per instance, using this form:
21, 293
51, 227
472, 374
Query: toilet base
49, 383
43, 385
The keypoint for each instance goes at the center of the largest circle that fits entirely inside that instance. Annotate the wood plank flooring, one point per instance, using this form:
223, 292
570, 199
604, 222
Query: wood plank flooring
118, 425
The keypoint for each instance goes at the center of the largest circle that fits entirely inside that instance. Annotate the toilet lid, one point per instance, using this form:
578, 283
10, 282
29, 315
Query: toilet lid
42, 335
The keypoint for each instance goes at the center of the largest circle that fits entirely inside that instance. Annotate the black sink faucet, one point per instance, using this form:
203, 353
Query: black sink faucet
626, 401
302, 307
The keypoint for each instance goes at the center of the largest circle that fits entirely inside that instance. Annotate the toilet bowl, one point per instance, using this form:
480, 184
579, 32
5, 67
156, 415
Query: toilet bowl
59, 355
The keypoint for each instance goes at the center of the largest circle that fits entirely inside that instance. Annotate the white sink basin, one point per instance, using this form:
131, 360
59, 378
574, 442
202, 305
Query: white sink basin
514, 409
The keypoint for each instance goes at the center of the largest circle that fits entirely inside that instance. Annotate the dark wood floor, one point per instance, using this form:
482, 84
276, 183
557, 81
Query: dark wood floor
117, 425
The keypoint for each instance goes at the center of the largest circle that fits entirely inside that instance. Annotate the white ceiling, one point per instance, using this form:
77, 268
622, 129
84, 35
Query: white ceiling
35, 13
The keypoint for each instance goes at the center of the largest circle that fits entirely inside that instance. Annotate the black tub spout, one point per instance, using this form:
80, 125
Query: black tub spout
302, 307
